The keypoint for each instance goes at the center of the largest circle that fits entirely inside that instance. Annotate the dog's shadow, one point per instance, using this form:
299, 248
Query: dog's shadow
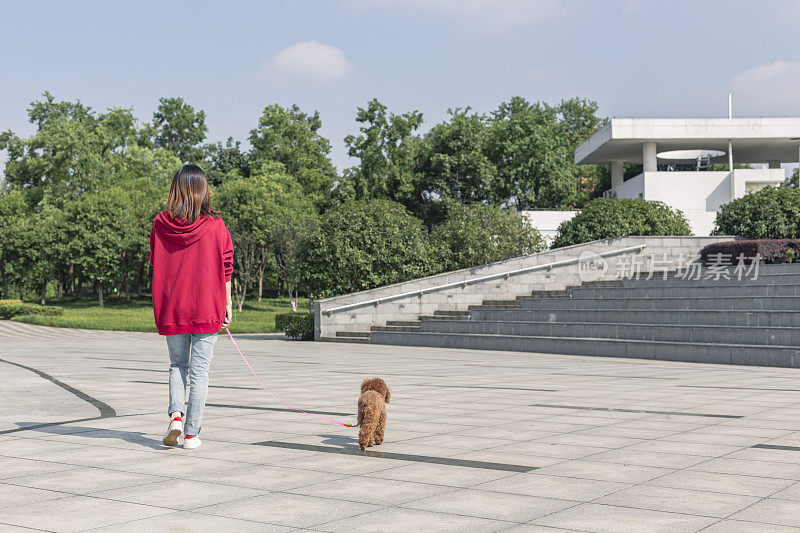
340, 440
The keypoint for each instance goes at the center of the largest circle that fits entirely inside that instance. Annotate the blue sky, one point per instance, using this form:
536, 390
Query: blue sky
635, 58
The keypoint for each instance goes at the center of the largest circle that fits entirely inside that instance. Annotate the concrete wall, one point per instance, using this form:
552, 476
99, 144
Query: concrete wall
698, 195
362, 317
547, 222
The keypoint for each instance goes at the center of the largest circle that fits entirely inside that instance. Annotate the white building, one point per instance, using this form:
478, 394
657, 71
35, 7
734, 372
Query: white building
699, 193
547, 222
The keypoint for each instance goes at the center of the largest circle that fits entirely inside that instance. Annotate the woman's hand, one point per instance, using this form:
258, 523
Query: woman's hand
228, 305
228, 315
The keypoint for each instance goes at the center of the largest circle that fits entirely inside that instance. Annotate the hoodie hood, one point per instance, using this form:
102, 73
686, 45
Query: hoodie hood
180, 234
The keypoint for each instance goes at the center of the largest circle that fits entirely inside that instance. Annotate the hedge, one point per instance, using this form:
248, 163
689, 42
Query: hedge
608, 218
299, 326
770, 213
11, 308
772, 251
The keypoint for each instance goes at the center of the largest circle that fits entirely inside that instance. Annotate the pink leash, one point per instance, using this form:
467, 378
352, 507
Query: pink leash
276, 398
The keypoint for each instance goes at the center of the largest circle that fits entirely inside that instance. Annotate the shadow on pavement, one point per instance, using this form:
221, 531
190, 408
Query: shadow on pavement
135, 437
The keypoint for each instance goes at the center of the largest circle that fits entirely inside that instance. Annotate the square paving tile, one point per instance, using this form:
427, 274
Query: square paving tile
492, 505
771, 511
292, 510
607, 518
565, 488
404, 520
679, 500
368, 489
76, 513
190, 522
178, 494
725, 483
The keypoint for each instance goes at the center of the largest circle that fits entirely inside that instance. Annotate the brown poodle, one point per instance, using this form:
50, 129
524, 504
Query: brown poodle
372, 412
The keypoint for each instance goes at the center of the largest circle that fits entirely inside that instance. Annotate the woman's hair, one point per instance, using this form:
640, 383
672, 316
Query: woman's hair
188, 196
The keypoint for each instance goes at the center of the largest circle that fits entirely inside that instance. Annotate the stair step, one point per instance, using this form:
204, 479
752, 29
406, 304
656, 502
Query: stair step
739, 354
755, 335
402, 322
443, 317
396, 328
708, 317
352, 334
667, 302
549, 294
451, 313
354, 340
507, 307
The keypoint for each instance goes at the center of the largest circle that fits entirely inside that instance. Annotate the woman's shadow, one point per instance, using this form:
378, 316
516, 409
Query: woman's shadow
135, 437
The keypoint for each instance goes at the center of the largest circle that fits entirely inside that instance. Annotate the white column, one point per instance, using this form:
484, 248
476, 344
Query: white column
616, 174
730, 156
649, 159
774, 164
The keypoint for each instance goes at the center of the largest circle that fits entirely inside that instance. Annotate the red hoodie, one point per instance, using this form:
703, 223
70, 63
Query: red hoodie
191, 263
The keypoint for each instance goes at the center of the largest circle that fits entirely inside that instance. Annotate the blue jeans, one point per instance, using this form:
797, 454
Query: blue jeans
190, 355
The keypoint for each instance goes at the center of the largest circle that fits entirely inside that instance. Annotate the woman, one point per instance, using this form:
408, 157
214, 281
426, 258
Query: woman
192, 256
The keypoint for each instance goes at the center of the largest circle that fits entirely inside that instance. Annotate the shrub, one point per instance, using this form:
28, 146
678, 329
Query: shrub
362, 245
607, 218
770, 250
478, 234
298, 326
770, 213
12, 308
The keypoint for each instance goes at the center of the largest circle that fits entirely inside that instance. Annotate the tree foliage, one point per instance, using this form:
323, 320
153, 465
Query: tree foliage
363, 244
386, 150
179, 129
291, 137
770, 213
266, 213
610, 218
478, 234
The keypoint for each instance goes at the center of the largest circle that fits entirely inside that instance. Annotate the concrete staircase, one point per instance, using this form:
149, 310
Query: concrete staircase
748, 321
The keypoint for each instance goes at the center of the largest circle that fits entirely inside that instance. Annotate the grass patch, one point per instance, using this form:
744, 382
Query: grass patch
137, 315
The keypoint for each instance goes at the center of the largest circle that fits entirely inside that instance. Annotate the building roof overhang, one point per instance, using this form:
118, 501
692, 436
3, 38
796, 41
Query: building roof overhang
755, 140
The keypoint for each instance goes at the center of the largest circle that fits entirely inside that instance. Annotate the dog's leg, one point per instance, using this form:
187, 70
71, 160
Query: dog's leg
369, 420
380, 429
366, 436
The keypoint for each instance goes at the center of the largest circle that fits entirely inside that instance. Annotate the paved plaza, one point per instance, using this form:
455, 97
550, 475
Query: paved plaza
475, 441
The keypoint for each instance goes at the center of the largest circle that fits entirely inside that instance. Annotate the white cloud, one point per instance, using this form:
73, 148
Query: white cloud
495, 13
769, 89
311, 59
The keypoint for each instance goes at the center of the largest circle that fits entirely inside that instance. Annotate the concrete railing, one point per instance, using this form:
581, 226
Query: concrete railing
457, 290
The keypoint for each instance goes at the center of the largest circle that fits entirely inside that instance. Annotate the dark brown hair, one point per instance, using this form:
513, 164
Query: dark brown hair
189, 197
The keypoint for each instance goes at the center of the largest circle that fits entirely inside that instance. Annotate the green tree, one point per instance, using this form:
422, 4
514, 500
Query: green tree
291, 137
98, 225
533, 145
479, 234
13, 218
770, 213
361, 245
453, 162
179, 129
387, 150
609, 218
225, 160
792, 181
291, 212
578, 120
265, 214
